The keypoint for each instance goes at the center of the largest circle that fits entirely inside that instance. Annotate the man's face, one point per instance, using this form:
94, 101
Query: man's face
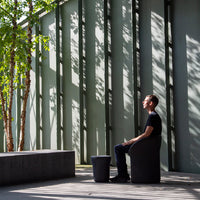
146, 103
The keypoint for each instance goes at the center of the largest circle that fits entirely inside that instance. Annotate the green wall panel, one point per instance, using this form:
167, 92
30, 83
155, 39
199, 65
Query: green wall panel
122, 73
152, 62
95, 89
187, 79
48, 84
70, 80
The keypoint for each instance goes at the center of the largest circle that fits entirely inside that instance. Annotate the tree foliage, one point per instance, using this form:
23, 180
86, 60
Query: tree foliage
16, 46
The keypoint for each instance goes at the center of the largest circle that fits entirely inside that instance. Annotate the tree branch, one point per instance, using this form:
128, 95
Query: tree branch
6, 12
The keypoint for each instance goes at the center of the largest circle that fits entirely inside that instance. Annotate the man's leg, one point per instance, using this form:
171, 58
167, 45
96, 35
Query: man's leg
120, 157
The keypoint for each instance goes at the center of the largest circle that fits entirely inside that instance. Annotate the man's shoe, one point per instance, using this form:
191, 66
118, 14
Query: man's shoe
120, 179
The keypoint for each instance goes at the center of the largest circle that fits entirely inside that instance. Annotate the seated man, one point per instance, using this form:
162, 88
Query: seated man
153, 127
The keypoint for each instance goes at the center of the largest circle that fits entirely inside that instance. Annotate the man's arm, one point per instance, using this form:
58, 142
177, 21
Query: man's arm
147, 133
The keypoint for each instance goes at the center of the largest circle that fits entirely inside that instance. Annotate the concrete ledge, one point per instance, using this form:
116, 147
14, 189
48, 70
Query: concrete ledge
27, 166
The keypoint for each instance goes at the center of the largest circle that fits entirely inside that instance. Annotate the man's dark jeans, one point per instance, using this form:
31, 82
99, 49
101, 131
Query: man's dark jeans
120, 157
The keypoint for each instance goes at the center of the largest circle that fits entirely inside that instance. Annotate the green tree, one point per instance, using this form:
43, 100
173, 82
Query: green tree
16, 47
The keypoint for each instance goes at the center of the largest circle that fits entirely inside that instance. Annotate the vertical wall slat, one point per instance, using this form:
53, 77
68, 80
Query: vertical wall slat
81, 83
37, 90
169, 86
106, 52
135, 11
57, 15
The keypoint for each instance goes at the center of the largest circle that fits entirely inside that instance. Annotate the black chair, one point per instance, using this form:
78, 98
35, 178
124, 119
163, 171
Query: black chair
145, 160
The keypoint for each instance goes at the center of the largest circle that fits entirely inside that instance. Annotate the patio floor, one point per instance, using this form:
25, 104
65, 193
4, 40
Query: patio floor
173, 186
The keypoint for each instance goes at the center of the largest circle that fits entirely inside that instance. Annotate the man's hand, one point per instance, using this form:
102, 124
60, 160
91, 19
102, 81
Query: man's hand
128, 142
147, 133
125, 143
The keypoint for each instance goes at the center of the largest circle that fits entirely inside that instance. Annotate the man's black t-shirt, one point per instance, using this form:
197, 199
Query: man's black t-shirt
154, 120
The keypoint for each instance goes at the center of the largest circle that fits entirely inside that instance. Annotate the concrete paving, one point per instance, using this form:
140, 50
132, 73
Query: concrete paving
173, 186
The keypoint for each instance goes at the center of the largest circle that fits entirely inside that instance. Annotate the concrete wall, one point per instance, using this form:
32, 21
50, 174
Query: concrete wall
186, 44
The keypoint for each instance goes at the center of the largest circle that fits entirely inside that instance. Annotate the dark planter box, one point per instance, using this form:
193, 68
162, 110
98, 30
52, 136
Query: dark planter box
28, 166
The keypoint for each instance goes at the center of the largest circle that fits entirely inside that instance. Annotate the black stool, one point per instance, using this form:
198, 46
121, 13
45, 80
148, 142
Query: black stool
101, 168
